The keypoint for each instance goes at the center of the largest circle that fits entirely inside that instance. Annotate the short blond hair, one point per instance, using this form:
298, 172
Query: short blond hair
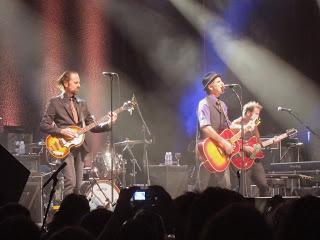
250, 106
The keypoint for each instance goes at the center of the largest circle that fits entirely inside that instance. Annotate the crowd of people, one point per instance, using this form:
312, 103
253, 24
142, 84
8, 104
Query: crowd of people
215, 213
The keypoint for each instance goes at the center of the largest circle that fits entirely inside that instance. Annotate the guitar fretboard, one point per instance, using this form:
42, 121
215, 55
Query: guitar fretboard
235, 137
271, 140
105, 118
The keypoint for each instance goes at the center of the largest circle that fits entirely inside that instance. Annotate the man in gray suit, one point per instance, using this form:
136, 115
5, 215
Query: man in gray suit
66, 110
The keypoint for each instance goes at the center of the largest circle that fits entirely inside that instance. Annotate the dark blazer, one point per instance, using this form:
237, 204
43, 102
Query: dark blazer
58, 115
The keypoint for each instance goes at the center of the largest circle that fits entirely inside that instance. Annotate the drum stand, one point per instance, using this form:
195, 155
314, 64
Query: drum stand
128, 147
123, 167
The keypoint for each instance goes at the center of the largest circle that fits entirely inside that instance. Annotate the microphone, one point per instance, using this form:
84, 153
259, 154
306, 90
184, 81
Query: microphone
109, 73
284, 109
232, 85
55, 174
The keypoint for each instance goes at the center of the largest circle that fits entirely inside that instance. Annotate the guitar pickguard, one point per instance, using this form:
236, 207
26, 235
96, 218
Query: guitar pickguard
74, 142
60, 147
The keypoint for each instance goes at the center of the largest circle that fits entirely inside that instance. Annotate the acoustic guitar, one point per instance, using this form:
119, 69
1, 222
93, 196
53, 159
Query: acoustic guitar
257, 153
213, 156
59, 146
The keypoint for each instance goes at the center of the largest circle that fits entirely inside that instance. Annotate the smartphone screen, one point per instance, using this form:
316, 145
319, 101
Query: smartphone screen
139, 196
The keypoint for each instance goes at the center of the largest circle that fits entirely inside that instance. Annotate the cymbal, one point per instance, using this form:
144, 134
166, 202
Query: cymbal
129, 142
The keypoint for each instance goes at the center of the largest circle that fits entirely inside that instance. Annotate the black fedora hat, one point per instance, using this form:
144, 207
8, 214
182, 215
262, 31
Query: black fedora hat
208, 78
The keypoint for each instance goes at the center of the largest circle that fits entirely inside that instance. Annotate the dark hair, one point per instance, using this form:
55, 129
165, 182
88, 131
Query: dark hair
250, 106
63, 77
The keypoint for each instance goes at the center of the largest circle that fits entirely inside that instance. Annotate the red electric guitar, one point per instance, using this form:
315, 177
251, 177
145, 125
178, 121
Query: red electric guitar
236, 159
213, 156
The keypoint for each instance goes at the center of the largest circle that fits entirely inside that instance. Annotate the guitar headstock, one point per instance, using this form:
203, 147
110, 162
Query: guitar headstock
130, 105
252, 124
257, 121
291, 132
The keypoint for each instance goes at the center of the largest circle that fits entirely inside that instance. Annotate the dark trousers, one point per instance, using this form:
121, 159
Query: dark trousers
255, 175
73, 172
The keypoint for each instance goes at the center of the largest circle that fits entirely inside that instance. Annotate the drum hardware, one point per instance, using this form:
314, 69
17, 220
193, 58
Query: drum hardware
128, 142
128, 145
147, 139
100, 189
124, 170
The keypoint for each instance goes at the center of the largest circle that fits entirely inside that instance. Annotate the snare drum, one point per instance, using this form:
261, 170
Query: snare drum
98, 193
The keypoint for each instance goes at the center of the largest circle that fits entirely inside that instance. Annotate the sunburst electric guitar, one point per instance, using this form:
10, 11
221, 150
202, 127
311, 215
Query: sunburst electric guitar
213, 156
248, 161
59, 147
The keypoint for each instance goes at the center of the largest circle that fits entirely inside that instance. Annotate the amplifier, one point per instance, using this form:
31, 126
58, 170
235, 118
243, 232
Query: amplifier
31, 197
30, 161
295, 166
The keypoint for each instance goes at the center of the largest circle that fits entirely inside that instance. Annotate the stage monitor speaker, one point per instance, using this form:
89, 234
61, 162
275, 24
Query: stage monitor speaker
31, 197
13, 177
171, 177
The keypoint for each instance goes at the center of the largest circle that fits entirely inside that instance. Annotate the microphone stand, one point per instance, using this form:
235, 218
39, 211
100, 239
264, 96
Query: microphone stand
304, 124
54, 178
111, 77
134, 163
145, 130
242, 183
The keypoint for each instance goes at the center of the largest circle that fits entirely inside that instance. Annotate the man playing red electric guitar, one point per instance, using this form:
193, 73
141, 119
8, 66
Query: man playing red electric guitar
256, 174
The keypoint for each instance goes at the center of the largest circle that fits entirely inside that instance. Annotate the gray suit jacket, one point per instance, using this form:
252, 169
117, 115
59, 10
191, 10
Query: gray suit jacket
58, 115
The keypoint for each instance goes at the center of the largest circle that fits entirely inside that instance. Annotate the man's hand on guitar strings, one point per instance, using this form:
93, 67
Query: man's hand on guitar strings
67, 132
228, 148
113, 115
114, 119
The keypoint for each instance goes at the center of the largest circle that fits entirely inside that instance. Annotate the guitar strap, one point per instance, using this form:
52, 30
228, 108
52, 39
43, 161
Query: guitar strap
81, 115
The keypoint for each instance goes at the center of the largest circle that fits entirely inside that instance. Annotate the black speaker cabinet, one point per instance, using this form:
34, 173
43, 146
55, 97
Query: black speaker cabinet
171, 177
13, 177
31, 197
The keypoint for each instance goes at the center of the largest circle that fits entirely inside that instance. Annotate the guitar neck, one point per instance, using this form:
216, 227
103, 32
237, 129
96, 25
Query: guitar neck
105, 118
235, 137
271, 140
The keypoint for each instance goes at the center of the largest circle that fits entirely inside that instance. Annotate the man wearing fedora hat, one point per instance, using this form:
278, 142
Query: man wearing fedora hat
212, 119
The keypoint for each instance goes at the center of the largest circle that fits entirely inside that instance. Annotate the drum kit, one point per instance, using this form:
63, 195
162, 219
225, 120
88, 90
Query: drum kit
108, 171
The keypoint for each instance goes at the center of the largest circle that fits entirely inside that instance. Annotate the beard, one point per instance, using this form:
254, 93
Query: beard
76, 91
